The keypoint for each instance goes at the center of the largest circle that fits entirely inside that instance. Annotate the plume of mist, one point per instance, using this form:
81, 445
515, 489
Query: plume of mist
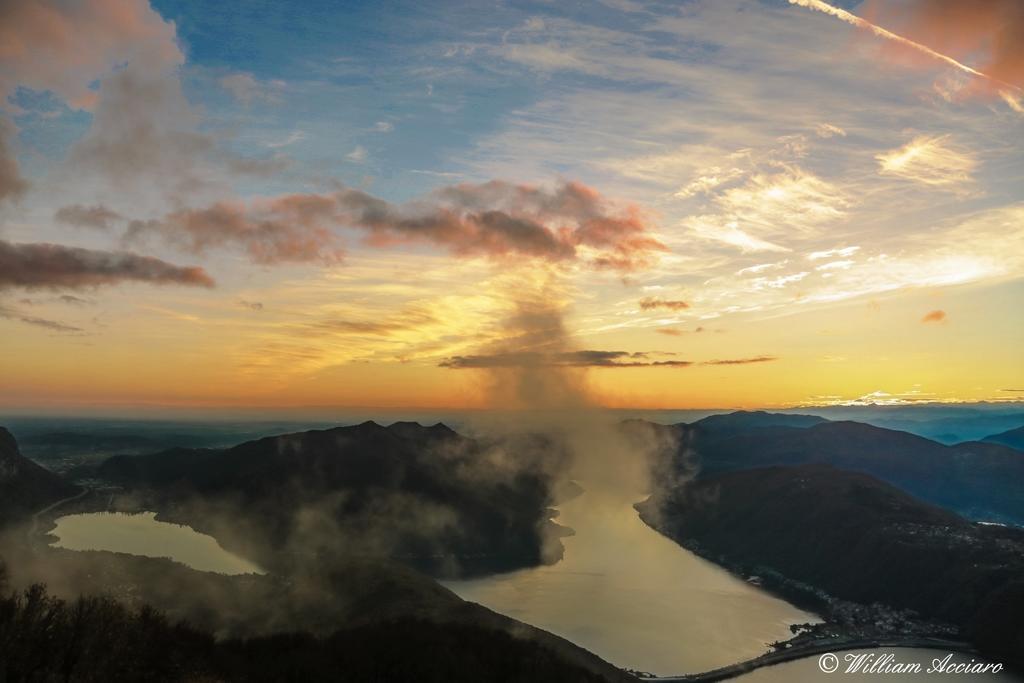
607, 457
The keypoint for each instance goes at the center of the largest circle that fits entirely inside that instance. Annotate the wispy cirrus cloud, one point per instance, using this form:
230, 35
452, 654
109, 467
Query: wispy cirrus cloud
930, 160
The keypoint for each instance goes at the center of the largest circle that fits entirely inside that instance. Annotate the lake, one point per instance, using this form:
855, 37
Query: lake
142, 534
636, 598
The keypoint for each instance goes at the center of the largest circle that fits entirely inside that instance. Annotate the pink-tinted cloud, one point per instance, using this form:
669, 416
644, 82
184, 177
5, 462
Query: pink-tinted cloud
570, 222
63, 47
52, 266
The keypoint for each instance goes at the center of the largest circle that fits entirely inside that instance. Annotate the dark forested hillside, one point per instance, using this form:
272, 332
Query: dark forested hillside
43, 639
978, 480
858, 538
25, 487
425, 495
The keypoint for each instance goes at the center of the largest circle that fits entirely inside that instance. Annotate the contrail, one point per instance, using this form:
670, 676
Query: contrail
889, 35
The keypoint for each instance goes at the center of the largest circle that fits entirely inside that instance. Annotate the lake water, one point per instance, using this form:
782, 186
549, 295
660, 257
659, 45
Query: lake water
142, 534
808, 671
637, 599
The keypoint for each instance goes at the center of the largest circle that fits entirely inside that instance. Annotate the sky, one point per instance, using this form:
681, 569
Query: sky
737, 203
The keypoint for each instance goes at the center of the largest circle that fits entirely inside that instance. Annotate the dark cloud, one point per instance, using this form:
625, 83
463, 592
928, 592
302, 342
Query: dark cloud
650, 303
37, 266
52, 325
741, 361
97, 216
75, 300
493, 219
569, 359
12, 184
63, 299
251, 305
936, 316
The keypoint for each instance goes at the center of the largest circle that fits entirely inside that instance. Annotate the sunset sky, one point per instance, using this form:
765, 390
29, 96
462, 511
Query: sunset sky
714, 203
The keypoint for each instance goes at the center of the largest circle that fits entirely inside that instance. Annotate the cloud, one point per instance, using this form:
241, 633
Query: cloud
385, 326
570, 222
97, 216
990, 33
710, 179
670, 331
583, 359
827, 130
246, 89
145, 133
651, 303
828, 253
570, 359
383, 127
293, 137
12, 184
930, 160
251, 305
51, 325
64, 47
722, 229
784, 200
293, 229
358, 155
63, 298
741, 361
38, 266
936, 316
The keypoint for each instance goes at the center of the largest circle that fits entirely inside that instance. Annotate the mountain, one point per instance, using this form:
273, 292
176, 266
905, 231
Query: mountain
977, 479
859, 539
742, 421
25, 487
437, 500
1013, 438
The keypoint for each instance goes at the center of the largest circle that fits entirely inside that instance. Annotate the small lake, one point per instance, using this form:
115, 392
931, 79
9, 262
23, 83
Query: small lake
808, 671
142, 534
636, 598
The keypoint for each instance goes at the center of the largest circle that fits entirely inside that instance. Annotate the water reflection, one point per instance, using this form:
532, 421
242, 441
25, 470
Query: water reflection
142, 534
635, 598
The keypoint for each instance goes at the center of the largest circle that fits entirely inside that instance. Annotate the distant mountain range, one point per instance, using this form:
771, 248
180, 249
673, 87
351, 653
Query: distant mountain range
437, 500
858, 538
25, 487
1013, 438
981, 480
